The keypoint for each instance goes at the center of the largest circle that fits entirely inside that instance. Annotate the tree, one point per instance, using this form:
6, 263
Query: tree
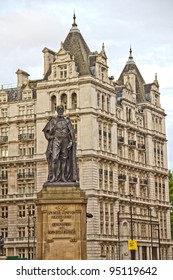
170, 176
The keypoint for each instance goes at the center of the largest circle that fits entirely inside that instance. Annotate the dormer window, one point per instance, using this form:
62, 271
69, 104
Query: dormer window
3, 97
63, 71
27, 95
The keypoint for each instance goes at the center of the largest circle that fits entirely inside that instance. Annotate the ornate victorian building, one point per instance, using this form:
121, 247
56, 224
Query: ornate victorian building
121, 152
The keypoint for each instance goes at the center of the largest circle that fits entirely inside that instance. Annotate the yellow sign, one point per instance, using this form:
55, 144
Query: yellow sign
132, 245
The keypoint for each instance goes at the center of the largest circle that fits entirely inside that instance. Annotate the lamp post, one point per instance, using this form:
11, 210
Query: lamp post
158, 230
28, 208
131, 226
34, 253
118, 218
89, 215
151, 230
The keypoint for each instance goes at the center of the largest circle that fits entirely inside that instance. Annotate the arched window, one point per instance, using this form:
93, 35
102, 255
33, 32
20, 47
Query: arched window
53, 104
64, 100
74, 100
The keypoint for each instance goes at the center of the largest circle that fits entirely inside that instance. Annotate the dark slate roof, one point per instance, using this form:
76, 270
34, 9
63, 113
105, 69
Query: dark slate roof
140, 83
77, 47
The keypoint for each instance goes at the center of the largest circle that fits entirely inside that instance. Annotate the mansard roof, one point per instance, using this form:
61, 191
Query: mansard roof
77, 47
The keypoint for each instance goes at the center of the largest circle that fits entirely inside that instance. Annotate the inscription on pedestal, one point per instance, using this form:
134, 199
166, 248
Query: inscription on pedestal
61, 222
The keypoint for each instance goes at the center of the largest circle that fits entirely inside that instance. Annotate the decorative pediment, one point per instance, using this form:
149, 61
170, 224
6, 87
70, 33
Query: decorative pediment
62, 55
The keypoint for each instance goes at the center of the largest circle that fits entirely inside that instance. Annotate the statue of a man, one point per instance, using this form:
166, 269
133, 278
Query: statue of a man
1, 245
61, 149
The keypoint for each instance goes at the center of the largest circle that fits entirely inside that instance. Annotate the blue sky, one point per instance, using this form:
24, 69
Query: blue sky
26, 27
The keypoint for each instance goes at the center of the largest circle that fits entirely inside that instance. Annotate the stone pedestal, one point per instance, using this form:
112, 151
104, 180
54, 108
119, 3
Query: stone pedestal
61, 222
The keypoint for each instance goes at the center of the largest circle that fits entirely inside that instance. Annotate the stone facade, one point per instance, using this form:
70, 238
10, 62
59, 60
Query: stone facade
121, 152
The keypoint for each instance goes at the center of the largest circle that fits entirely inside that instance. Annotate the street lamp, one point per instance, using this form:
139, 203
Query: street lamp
118, 218
131, 225
34, 253
89, 215
28, 208
151, 251
158, 230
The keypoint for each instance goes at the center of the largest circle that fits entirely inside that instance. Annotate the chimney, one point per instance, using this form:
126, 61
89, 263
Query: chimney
22, 77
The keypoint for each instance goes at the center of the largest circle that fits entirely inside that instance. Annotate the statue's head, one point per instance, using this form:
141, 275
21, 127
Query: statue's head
60, 110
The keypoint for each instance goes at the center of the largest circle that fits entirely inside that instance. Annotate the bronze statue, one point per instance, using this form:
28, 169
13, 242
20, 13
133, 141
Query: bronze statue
61, 149
1, 245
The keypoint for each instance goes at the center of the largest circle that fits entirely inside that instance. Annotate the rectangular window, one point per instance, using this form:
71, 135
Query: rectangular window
29, 110
4, 189
22, 110
30, 151
4, 112
31, 210
21, 232
4, 212
4, 232
4, 151
21, 211
21, 252
31, 187
63, 71
22, 150
21, 189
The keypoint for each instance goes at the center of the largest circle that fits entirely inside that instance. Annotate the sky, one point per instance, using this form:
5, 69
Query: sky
26, 27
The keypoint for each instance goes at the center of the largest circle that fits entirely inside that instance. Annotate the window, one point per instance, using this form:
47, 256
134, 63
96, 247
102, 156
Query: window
29, 110
31, 210
31, 150
53, 104
22, 130
4, 131
4, 232
103, 103
98, 99
3, 98
108, 104
22, 110
30, 129
64, 100
21, 188
27, 95
111, 179
31, 187
22, 150
21, 252
74, 100
63, 71
21, 232
4, 189
4, 212
4, 112
21, 211
4, 172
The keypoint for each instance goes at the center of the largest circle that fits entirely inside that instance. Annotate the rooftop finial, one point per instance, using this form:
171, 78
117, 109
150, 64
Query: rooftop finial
155, 76
130, 57
74, 20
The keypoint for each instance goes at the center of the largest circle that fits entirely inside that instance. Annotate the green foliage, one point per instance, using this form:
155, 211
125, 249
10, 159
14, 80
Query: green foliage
170, 176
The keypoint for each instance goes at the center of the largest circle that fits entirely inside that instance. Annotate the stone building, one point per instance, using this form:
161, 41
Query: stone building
121, 152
